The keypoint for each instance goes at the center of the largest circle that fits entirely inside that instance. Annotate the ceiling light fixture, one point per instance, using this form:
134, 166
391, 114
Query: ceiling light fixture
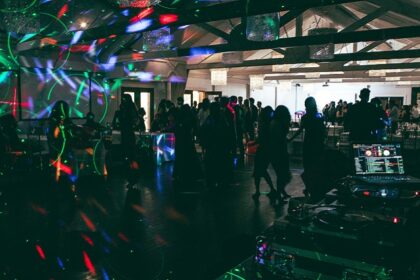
256, 82
138, 3
218, 77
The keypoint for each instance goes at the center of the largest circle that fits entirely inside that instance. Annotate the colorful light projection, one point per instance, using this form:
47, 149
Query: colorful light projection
263, 27
59, 54
8, 94
138, 3
162, 144
164, 147
41, 90
21, 16
157, 40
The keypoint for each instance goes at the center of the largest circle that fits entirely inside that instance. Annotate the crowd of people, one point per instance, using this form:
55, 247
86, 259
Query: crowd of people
389, 114
223, 128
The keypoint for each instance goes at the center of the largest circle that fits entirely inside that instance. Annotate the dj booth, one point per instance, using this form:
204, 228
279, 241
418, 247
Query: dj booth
365, 228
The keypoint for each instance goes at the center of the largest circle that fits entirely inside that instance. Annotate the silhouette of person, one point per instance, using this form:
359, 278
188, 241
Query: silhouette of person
239, 126
216, 141
94, 128
362, 119
186, 167
279, 130
313, 146
254, 118
128, 123
8, 133
262, 156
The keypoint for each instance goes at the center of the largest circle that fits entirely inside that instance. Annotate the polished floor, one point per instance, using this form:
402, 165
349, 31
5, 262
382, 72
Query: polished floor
157, 230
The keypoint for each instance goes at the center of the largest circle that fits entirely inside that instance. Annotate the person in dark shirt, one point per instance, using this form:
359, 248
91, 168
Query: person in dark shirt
249, 127
313, 146
362, 119
262, 156
382, 120
215, 140
279, 156
259, 107
8, 133
332, 112
92, 127
254, 118
239, 126
186, 166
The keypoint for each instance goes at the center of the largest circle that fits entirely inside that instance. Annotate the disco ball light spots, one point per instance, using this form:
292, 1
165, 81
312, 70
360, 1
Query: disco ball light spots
76, 89
62, 52
138, 3
17, 6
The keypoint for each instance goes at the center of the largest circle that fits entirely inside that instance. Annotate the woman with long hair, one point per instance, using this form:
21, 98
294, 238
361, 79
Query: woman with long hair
262, 156
279, 130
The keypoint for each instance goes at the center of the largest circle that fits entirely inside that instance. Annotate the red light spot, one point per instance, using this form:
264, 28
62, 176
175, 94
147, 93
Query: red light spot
40, 252
88, 263
366, 193
66, 169
14, 102
136, 4
80, 48
138, 208
137, 56
101, 41
143, 14
168, 18
88, 222
39, 209
87, 239
123, 237
134, 165
417, 193
63, 10
395, 220
160, 241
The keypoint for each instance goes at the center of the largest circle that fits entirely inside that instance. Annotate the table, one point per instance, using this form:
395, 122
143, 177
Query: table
161, 144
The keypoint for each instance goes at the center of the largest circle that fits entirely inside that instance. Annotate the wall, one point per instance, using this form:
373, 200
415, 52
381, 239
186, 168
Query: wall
234, 87
294, 97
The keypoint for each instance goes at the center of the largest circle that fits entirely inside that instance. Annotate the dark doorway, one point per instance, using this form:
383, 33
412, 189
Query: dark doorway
212, 95
399, 101
142, 97
415, 96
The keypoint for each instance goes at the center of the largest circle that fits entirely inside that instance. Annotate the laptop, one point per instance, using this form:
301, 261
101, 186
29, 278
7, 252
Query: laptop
380, 163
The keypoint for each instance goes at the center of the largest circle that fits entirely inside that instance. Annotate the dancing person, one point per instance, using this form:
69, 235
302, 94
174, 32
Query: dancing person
262, 156
186, 166
279, 129
254, 118
216, 140
128, 123
312, 124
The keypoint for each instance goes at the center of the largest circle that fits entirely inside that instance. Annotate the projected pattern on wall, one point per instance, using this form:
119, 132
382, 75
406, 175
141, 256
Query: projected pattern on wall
41, 90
